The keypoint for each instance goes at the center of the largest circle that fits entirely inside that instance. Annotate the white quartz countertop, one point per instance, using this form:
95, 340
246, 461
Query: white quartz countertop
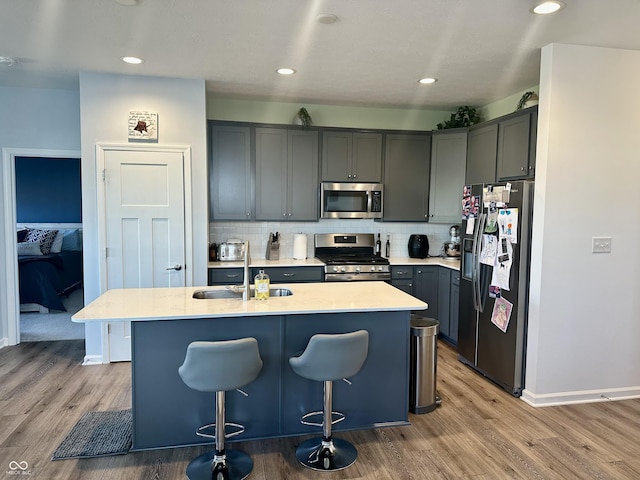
261, 262
453, 263
177, 303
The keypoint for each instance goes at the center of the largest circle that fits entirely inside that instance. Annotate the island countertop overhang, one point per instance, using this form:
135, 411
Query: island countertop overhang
140, 304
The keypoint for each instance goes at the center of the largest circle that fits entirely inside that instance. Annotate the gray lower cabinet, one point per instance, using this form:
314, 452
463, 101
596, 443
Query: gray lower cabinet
482, 147
230, 173
225, 276
454, 300
439, 288
291, 274
426, 281
402, 278
448, 163
286, 174
406, 177
448, 297
351, 157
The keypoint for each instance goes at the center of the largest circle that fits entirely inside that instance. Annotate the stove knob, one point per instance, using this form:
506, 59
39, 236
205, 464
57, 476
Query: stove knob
380, 268
343, 269
357, 269
373, 268
335, 269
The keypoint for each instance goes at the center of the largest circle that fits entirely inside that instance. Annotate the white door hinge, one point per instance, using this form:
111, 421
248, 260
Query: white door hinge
104, 175
106, 252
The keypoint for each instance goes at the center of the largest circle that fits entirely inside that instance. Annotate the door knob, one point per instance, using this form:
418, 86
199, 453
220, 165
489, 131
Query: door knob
175, 267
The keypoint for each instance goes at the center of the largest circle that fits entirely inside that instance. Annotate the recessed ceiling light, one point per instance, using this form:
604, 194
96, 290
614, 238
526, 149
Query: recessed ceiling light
326, 18
427, 80
546, 7
132, 60
286, 71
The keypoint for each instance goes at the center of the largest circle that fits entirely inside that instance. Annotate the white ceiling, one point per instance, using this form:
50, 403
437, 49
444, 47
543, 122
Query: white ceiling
480, 50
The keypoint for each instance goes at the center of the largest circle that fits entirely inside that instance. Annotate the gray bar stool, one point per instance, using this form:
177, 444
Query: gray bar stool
218, 367
329, 357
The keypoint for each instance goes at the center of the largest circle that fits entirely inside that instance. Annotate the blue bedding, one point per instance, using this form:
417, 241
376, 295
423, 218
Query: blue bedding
45, 278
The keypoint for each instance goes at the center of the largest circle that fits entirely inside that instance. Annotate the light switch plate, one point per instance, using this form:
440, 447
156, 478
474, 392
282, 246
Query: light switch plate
601, 245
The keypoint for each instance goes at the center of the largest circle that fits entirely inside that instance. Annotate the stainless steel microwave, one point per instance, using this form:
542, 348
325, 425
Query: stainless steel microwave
351, 200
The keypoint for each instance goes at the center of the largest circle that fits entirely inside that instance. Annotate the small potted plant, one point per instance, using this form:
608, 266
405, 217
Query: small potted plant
303, 118
529, 99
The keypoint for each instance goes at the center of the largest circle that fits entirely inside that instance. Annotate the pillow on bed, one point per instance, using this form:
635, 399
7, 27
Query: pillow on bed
22, 234
29, 248
56, 246
72, 239
45, 237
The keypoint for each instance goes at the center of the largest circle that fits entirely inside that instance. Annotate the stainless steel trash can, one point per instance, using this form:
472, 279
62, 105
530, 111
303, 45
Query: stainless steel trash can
423, 397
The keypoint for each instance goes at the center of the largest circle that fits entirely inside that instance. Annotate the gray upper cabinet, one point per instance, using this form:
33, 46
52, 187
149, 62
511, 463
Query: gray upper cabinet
516, 159
448, 163
503, 149
406, 177
482, 147
230, 174
286, 174
351, 157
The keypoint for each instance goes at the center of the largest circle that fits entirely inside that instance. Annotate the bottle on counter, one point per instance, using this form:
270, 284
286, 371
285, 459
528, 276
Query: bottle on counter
387, 247
378, 246
261, 283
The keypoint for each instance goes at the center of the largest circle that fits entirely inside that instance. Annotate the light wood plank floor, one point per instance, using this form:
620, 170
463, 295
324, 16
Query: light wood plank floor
479, 432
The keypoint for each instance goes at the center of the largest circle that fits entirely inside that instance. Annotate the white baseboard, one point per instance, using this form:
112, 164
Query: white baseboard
92, 360
585, 396
4, 342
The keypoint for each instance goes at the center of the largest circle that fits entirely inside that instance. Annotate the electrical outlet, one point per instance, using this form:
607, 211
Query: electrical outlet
601, 245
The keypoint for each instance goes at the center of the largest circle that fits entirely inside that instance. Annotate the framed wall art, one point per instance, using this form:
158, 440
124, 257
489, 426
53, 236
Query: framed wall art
143, 125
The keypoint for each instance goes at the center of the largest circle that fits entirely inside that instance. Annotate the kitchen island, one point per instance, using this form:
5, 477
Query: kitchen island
166, 412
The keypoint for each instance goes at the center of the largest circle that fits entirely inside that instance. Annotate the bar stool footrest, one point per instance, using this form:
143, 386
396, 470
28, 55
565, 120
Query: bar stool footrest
201, 431
336, 417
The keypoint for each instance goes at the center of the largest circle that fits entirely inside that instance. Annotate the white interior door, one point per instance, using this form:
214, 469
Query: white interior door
145, 228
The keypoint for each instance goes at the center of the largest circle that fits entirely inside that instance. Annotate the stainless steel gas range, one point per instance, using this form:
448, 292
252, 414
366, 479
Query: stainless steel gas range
350, 257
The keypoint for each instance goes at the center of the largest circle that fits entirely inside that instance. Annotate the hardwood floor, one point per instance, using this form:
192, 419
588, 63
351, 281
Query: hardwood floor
479, 432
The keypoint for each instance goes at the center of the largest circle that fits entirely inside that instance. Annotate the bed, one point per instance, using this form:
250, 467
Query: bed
48, 272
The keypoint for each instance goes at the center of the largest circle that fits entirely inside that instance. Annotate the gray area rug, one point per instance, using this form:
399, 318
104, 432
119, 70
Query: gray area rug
97, 434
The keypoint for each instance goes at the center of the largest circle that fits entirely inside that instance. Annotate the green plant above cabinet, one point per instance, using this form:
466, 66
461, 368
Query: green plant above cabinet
448, 164
351, 157
230, 173
286, 174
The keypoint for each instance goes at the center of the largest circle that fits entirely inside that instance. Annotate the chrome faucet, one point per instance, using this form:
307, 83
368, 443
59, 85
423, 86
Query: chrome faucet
246, 287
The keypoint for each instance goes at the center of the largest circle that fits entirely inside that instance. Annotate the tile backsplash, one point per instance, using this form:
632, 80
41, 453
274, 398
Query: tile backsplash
258, 233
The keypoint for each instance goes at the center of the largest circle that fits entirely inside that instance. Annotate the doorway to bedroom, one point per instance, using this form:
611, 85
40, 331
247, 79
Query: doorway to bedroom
48, 199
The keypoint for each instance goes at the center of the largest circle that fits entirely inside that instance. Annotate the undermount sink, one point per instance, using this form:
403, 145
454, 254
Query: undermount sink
221, 294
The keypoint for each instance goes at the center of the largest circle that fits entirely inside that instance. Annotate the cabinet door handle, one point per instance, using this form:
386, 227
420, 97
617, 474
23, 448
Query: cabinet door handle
288, 275
232, 275
419, 271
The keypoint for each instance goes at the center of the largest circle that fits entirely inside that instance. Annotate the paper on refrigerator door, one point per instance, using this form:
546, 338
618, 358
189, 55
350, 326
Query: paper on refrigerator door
501, 313
489, 249
502, 266
508, 224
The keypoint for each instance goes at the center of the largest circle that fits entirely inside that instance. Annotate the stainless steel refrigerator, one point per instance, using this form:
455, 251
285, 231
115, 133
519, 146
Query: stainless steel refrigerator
493, 319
